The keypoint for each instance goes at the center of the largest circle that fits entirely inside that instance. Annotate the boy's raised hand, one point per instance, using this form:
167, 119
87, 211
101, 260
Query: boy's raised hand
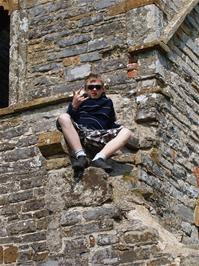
78, 98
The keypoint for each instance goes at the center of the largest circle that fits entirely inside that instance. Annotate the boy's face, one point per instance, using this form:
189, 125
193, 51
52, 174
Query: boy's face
94, 88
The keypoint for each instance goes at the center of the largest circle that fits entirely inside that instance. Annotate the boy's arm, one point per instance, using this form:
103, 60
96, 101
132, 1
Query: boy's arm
78, 99
109, 111
72, 112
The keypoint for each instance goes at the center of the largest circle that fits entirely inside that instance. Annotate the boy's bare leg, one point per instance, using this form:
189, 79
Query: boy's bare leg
70, 132
72, 138
116, 143
112, 146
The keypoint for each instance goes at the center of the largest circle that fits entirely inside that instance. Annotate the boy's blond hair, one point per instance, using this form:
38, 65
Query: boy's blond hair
93, 76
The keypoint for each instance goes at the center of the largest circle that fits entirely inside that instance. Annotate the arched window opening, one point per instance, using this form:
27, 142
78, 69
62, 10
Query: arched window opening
4, 57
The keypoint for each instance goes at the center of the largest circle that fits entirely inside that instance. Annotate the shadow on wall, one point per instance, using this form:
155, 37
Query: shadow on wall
4, 57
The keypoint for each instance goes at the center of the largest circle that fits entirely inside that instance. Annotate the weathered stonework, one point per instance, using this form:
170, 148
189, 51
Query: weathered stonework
146, 212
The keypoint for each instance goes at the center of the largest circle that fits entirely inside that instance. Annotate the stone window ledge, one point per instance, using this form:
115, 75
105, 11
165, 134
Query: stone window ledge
34, 104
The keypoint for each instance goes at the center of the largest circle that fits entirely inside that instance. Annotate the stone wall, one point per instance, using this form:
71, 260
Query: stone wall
143, 213
173, 168
180, 132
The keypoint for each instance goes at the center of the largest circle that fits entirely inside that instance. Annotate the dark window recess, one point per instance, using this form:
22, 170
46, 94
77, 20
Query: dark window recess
4, 57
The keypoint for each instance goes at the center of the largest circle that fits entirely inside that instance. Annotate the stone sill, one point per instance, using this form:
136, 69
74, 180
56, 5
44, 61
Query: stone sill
125, 6
34, 104
156, 44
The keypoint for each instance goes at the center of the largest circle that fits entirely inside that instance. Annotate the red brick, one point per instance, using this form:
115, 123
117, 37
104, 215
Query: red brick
132, 73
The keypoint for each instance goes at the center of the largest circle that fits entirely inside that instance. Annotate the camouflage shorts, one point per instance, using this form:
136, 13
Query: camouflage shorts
98, 137
95, 138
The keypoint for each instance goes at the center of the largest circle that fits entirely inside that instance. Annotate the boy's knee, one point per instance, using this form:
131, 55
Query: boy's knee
128, 133
64, 119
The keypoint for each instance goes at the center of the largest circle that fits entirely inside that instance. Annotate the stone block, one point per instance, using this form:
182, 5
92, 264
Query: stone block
57, 163
78, 72
48, 138
184, 212
74, 40
97, 44
100, 4
10, 254
146, 236
147, 116
107, 239
19, 154
42, 224
68, 61
39, 246
31, 183
70, 218
144, 24
90, 57
93, 190
105, 256
55, 188
186, 227
41, 256
50, 143
14, 132
179, 172
112, 27
22, 227
33, 204
90, 20
138, 253
46, 67
88, 228
75, 246
81, 48
40, 214
150, 63
33, 237
25, 256
102, 212
109, 64
20, 196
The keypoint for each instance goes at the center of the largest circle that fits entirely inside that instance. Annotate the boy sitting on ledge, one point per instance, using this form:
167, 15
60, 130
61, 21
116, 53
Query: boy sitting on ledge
90, 119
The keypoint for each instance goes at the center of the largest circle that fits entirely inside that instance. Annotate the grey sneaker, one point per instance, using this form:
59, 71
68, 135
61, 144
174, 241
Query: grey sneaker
101, 163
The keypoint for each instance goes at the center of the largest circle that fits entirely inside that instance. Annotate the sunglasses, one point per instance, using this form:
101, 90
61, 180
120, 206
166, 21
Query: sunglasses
92, 87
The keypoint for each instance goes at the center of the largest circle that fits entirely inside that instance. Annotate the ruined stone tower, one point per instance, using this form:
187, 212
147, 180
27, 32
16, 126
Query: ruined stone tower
146, 212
